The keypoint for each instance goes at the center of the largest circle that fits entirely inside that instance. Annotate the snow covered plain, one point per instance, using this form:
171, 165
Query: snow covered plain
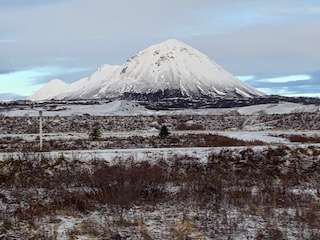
232, 212
113, 156
251, 131
195, 202
267, 136
128, 108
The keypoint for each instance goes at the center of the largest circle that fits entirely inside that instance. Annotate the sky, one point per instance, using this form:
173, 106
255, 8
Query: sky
272, 45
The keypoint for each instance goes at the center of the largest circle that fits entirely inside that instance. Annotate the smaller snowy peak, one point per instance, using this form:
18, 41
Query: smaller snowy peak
49, 91
89, 87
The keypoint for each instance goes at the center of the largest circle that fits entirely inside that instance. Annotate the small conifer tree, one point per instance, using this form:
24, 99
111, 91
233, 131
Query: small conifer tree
96, 133
164, 132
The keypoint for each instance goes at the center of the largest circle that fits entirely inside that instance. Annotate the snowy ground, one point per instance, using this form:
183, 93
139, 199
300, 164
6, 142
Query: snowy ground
142, 154
271, 138
243, 221
268, 136
191, 201
126, 108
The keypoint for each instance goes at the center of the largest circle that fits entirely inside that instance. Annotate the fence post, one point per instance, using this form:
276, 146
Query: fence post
40, 130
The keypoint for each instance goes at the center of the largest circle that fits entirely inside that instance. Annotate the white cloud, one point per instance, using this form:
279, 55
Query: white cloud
268, 91
285, 91
281, 48
285, 79
246, 78
303, 95
25, 82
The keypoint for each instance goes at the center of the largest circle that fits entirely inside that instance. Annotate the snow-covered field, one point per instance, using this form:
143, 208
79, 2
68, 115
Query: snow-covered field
267, 136
127, 108
142, 154
239, 193
248, 199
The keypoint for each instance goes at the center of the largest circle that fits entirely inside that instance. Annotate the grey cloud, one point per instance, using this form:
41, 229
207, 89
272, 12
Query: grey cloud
275, 36
24, 3
277, 49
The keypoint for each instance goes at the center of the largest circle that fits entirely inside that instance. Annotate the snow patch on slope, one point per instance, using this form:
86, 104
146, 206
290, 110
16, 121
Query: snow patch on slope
90, 86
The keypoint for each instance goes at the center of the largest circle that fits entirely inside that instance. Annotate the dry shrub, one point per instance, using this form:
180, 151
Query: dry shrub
127, 184
311, 215
78, 202
189, 127
89, 228
270, 233
222, 141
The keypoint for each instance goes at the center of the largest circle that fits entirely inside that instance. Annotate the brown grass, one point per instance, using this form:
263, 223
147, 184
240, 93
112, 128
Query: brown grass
302, 138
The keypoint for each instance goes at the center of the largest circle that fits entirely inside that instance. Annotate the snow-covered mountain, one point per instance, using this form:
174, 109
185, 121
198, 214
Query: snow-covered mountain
49, 91
173, 65
169, 66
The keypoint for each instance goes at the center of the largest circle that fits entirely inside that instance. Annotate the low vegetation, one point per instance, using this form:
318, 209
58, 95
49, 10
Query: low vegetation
84, 123
236, 194
163, 140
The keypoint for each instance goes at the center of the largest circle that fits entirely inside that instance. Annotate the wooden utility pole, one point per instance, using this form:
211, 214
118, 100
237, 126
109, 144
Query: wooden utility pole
40, 130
